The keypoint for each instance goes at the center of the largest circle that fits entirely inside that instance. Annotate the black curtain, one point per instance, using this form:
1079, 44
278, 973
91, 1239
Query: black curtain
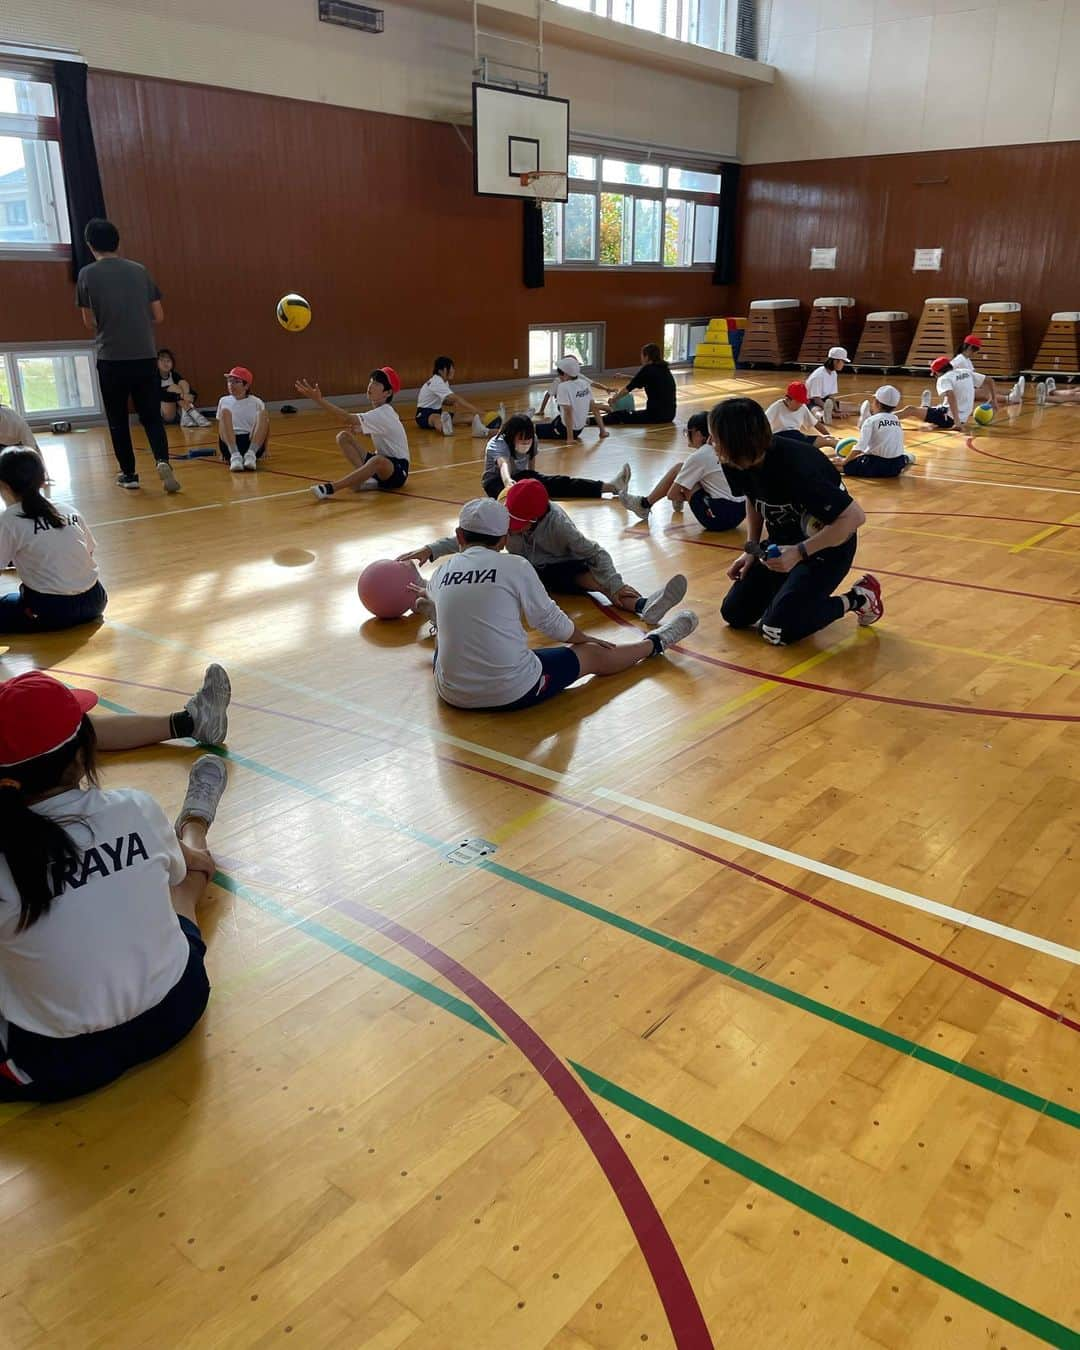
726, 268
746, 29
82, 181
532, 242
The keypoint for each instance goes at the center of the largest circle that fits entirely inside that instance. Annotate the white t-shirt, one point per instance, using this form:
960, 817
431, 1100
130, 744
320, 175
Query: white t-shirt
387, 434
783, 418
245, 411
962, 362
432, 393
484, 659
110, 947
574, 399
821, 383
881, 434
48, 560
15, 430
703, 470
963, 386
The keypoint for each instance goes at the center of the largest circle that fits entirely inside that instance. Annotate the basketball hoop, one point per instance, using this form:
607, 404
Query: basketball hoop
548, 185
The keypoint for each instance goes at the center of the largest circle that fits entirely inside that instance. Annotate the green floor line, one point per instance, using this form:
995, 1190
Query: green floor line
759, 983
888, 1244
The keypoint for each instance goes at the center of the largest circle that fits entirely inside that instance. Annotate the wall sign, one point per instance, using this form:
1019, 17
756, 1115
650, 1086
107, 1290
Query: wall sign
927, 260
822, 259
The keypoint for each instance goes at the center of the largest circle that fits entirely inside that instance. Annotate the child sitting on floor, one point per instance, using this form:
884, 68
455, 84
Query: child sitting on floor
791, 414
437, 402
243, 422
511, 456
880, 452
574, 405
386, 465
700, 480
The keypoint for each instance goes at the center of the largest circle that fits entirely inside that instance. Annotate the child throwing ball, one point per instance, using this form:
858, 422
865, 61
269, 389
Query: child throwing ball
386, 464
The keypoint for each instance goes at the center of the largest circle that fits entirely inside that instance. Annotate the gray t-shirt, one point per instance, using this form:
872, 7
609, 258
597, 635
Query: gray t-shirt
120, 293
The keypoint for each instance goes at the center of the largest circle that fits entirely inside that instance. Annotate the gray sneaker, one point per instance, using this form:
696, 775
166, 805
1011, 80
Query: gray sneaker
679, 626
827, 410
206, 783
638, 505
658, 604
621, 481
169, 480
209, 707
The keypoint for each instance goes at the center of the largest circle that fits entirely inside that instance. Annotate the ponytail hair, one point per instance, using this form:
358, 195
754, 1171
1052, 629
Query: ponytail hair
38, 850
23, 471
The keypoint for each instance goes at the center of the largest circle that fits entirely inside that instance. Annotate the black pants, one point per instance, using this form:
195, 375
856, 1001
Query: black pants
875, 466
790, 605
639, 417
139, 381
559, 485
29, 611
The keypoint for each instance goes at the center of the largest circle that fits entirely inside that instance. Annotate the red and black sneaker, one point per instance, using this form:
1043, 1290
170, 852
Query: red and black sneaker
873, 607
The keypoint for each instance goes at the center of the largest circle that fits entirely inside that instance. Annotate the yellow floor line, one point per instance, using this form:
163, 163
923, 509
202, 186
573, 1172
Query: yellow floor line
970, 539
991, 656
1048, 533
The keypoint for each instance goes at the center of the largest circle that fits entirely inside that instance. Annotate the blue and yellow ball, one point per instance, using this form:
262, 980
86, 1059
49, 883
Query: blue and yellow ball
845, 445
293, 313
984, 414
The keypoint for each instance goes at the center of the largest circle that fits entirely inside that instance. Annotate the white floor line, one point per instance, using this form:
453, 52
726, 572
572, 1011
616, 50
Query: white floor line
187, 510
992, 483
961, 917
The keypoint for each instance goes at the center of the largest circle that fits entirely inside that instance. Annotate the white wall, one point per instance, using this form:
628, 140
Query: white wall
419, 67
860, 77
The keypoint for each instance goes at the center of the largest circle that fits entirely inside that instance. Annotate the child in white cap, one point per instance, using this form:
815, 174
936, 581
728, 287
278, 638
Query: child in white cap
880, 452
574, 405
477, 600
821, 385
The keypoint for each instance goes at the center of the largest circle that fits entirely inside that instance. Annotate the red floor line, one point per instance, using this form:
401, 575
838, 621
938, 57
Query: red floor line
1027, 463
684, 1315
973, 515
926, 952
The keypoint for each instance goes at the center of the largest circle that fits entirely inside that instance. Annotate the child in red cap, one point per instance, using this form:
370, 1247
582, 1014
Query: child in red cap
956, 389
386, 465
793, 417
101, 958
243, 422
565, 560
984, 384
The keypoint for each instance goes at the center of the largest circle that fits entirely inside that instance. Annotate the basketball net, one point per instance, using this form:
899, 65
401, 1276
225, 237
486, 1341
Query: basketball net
547, 185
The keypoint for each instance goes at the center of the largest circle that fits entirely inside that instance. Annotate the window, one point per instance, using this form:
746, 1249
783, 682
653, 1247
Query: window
681, 338
33, 211
623, 213
703, 22
548, 345
41, 382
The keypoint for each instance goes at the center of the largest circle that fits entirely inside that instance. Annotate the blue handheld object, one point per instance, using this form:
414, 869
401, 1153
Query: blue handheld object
773, 551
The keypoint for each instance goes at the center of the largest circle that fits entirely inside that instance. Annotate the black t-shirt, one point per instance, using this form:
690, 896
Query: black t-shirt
659, 385
795, 488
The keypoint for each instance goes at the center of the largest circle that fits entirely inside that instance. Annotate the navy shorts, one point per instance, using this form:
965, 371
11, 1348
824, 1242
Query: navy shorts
243, 444
716, 513
397, 478
554, 431
424, 416
939, 417
67, 1066
29, 611
561, 668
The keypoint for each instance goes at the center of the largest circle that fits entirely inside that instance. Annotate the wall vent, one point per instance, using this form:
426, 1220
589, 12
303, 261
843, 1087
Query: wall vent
347, 15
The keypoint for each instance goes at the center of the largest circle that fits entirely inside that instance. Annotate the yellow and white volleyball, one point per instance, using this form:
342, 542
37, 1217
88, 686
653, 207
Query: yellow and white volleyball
293, 313
490, 417
502, 494
984, 414
845, 445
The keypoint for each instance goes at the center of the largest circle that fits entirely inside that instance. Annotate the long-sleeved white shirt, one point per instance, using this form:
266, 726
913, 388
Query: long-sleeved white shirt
481, 597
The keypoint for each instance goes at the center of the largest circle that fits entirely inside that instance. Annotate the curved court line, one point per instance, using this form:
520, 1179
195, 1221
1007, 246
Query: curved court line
529, 883
1007, 459
891, 572
759, 1174
797, 860
684, 1315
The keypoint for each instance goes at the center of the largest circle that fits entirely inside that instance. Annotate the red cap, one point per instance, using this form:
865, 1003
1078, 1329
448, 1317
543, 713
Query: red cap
937, 366
971, 341
797, 390
394, 378
526, 501
240, 373
38, 714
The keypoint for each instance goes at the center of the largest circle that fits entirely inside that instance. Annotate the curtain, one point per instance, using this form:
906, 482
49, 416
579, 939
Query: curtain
532, 239
726, 269
746, 29
82, 181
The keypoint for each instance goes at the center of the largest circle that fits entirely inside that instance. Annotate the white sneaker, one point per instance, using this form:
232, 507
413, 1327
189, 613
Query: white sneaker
206, 784
187, 418
926, 398
446, 420
250, 460
1051, 385
679, 626
209, 706
658, 604
827, 411
638, 505
677, 507
1040, 394
911, 456
478, 428
873, 608
322, 490
1017, 393
864, 411
169, 480
236, 462
197, 419
621, 481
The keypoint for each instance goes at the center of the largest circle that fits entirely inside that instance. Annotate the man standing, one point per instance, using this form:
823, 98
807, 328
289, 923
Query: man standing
120, 303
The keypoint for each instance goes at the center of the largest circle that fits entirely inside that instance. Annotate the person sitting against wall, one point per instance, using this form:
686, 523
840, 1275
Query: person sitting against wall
656, 379
177, 396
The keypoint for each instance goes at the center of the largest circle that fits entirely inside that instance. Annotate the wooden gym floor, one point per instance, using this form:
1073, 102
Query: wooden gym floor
760, 1028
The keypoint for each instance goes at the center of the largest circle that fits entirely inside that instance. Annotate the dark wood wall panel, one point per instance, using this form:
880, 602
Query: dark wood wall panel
1005, 216
233, 199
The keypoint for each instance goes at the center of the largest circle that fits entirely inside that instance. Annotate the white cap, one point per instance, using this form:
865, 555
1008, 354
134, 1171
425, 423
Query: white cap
889, 395
569, 365
484, 515
838, 354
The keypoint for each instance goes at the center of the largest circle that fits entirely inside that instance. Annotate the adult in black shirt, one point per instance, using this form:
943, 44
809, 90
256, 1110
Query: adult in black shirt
792, 490
656, 379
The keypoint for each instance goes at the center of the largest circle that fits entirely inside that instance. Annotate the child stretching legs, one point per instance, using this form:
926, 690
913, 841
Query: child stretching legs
700, 480
386, 466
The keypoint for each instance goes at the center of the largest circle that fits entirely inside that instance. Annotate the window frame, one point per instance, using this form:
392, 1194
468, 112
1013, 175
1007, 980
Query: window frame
34, 127
598, 187
680, 21
10, 352
685, 362
597, 326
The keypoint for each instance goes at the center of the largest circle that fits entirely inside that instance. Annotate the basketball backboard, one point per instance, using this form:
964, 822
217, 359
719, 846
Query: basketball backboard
515, 134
